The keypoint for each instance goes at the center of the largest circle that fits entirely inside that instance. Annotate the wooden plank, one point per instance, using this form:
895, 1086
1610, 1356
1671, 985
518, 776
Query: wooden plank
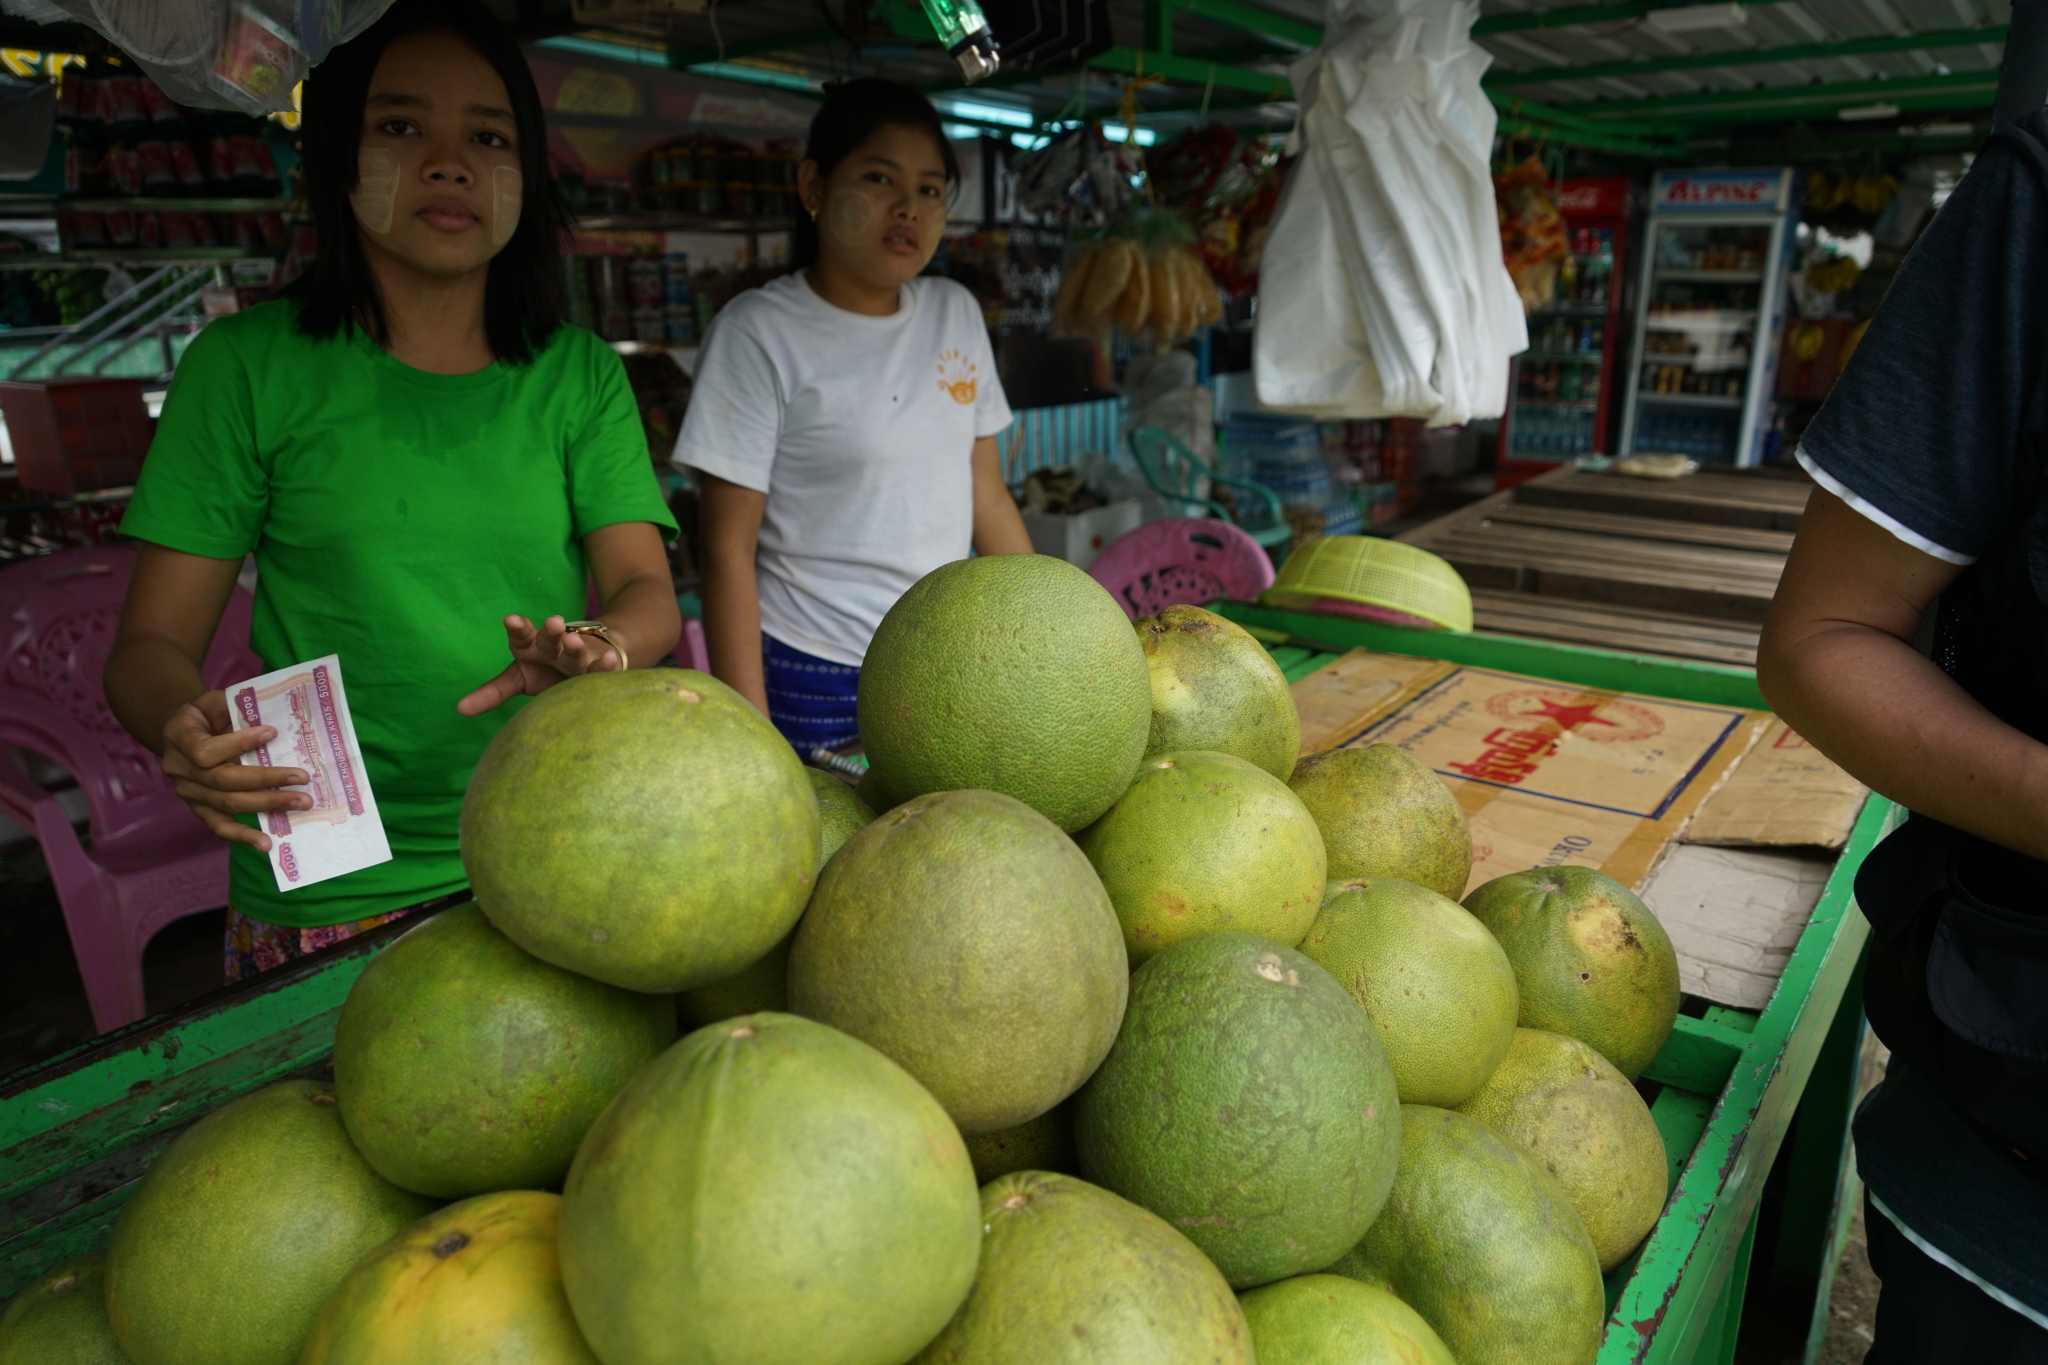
1540, 547
1640, 587
1674, 647
1641, 619
1641, 497
1643, 528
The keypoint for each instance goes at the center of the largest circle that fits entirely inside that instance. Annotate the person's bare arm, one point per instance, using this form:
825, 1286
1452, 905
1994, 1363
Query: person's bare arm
730, 517
1837, 662
998, 526
638, 606
153, 684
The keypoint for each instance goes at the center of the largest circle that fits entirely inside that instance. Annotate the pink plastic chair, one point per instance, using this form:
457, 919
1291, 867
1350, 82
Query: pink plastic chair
151, 860
1181, 561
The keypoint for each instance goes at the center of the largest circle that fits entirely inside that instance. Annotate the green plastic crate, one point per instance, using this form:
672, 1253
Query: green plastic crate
76, 1133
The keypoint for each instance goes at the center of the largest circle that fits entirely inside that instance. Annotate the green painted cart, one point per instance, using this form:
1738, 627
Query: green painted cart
77, 1132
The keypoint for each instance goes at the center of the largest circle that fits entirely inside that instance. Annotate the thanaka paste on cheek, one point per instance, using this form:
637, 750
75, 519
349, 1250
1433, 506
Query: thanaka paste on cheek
375, 196
508, 192
849, 218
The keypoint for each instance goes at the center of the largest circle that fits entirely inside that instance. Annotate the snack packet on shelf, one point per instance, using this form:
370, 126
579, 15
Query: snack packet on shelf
341, 832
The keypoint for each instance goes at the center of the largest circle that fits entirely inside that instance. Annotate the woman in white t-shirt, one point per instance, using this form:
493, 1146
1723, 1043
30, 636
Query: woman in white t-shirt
843, 422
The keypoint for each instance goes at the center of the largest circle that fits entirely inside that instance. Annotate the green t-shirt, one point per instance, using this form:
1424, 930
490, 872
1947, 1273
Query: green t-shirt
397, 517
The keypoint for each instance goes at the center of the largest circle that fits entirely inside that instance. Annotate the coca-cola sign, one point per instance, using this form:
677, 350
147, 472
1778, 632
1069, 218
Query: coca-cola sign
1604, 197
1762, 191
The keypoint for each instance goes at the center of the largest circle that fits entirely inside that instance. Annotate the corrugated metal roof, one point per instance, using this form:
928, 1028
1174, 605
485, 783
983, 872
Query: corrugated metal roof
1645, 76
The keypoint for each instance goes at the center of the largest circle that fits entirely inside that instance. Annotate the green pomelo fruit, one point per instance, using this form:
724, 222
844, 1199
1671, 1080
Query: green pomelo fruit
1206, 841
969, 941
649, 828
841, 812
1591, 960
478, 1281
463, 1063
1384, 814
61, 1319
873, 791
769, 1190
1215, 687
242, 1228
1014, 673
762, 986
1335, 1320
1045, 1143
1072, 1275
1480, 1241
1583, 1120
1435, 983
765, 984
1248, 1102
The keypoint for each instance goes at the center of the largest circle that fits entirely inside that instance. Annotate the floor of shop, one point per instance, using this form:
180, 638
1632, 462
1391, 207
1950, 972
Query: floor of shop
43, 1012
42, 999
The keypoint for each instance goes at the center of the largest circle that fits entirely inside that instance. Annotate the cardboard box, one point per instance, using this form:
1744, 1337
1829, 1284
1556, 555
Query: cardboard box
1721, 818
1082, 536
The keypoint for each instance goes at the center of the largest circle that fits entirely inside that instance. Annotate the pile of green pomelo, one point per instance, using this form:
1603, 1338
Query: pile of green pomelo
1095, 1026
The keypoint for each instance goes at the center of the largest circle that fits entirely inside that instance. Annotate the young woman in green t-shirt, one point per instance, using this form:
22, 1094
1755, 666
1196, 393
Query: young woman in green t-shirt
424, 461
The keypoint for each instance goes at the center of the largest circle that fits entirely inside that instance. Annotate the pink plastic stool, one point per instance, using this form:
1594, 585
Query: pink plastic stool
1181, 561
690, 650
151, 861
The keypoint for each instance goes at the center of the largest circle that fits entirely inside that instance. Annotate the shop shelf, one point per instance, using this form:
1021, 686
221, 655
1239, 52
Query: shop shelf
1692, 400
78, 1132
1581, 357
1683, 275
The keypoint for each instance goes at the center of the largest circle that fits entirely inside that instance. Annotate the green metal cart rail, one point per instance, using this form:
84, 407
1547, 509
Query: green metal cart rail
77, 1132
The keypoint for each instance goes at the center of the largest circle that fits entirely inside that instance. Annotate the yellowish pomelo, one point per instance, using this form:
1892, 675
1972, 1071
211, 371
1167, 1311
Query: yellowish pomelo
1072, 1275
1205, 841
1383, 814
1481, 1241
1017, 674
1583, 1120
242, 1228
765, 984
1590, 959
61, 1319
1215, 687
966, 938
477, 1281
1435, 983
1336, 1320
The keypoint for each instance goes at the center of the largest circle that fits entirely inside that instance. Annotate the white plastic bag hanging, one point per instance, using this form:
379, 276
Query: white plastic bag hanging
1383, 291
226, 54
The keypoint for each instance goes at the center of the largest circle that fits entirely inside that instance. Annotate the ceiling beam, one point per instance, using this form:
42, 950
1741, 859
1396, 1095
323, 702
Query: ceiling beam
1262, 23
1755, 56
1953, 101
1572, 16
1602, 141
1131, 61
1789, 97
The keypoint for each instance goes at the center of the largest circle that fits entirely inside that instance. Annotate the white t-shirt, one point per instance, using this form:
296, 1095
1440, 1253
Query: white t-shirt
861, 432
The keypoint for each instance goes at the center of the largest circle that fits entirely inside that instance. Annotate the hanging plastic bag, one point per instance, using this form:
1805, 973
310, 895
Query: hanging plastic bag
247, 55
1383, 291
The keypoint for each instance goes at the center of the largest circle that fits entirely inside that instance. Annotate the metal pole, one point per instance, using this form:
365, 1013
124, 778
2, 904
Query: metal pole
2023, 74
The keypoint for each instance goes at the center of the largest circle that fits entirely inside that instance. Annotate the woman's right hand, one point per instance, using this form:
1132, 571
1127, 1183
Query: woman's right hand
203, 759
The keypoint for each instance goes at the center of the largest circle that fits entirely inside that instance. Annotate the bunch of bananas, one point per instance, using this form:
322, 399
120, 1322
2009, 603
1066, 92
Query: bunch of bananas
1868, 193
1165, 293
1834, 275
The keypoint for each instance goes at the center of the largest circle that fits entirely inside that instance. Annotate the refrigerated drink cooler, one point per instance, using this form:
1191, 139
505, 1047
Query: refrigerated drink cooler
1560, 390
1709, 315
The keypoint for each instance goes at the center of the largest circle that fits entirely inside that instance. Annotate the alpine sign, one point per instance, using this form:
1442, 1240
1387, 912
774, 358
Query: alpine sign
1760, 191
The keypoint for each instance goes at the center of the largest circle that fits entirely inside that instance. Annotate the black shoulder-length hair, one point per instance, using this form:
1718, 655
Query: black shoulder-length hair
524, 297
850, 115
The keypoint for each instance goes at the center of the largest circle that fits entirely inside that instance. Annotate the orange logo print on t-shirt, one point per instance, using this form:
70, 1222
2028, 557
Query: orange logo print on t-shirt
957, 377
